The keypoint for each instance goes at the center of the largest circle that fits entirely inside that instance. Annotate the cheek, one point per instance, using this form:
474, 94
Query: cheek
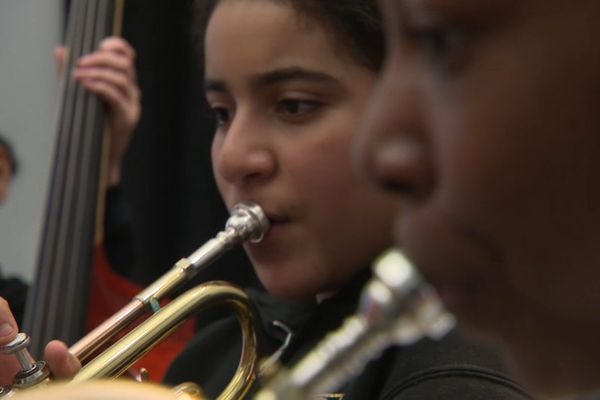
326, 179
322, 165
531, 186
214, 156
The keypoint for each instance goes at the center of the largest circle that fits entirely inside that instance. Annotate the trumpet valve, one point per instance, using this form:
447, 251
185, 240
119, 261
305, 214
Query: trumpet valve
32, 372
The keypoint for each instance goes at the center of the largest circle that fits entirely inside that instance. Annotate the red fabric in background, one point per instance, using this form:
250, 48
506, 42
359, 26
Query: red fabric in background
109, 293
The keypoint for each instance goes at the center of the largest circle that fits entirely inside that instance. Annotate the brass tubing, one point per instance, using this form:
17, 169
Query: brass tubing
247, 222
119, 357
136, 308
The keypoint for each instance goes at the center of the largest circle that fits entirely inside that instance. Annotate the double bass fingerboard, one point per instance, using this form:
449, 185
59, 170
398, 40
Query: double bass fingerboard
58, 299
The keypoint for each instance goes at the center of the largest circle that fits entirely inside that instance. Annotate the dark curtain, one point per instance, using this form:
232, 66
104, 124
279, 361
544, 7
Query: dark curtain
167, 176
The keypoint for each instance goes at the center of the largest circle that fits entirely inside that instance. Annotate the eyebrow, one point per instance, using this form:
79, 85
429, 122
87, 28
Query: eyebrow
291, 74
213, 85
275, 77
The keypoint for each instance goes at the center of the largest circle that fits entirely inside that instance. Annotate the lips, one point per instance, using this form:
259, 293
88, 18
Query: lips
456, 283
455, 296
277, 220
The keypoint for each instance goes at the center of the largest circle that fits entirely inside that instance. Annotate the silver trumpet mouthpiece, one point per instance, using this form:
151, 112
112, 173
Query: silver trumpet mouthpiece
249, 221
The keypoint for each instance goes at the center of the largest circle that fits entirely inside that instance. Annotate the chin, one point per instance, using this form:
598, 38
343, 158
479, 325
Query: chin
553, 365
287, 280
289, 289
288, 293
551, 377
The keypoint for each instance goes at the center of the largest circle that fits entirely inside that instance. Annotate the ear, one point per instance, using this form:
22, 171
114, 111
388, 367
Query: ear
5, 174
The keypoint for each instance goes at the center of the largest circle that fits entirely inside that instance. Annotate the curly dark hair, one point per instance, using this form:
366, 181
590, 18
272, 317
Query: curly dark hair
12, 158
355, 23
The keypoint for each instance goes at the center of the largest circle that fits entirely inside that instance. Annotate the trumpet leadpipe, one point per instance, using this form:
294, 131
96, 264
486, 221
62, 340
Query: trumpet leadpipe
247, 222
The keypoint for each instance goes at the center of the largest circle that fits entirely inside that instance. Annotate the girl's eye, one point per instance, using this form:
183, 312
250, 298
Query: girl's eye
297, 108
442, 47
441, 43
222, 115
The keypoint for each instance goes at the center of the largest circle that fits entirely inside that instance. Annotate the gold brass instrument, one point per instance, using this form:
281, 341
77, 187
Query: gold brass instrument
119, 357
396, 307
247, 222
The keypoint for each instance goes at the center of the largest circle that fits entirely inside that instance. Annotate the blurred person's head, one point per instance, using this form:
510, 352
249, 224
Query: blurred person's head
8, 167
486, 124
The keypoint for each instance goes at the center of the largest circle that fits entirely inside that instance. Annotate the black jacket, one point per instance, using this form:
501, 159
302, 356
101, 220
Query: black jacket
451, 368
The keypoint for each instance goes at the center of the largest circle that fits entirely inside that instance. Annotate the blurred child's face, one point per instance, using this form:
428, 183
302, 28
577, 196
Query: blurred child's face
5, 174
288, 101
487, 122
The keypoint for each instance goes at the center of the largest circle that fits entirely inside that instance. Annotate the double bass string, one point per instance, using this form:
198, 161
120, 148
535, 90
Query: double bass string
65, 274
86, 153
36, 320
64, 262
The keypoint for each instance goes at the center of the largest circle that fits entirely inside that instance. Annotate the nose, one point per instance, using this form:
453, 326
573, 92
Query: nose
392, 147
243, 154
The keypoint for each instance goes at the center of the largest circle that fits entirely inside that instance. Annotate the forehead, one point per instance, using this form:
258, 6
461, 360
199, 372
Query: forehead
539, 8
265, 34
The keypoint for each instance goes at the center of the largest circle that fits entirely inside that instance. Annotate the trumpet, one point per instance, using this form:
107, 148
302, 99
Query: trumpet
396, 307
246, 223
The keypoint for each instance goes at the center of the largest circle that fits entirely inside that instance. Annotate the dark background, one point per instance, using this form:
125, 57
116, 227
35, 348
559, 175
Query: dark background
167, 174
